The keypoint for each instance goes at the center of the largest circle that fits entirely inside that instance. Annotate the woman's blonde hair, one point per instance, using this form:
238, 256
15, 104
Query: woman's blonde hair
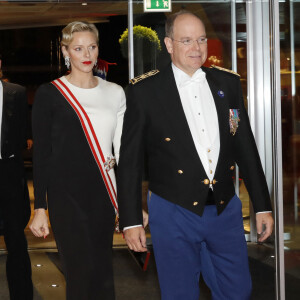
77, 26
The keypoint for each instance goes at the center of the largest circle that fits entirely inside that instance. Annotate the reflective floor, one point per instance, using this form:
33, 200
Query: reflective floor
132, 283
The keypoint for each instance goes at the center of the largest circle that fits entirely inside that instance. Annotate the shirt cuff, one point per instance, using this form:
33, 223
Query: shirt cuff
262, 212
128, 227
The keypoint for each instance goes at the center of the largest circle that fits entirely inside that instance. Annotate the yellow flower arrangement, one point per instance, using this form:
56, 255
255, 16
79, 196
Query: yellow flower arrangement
140, 33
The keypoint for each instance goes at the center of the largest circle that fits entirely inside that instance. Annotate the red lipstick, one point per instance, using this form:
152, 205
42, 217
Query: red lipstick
87, 62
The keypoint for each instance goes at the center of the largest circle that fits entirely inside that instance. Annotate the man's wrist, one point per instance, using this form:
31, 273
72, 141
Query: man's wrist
133, 226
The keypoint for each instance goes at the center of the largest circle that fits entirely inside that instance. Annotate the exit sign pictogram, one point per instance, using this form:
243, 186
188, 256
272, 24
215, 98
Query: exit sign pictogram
157, 5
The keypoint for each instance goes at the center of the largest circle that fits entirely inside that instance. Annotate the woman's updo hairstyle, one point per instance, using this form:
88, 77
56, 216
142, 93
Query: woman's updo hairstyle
77, 26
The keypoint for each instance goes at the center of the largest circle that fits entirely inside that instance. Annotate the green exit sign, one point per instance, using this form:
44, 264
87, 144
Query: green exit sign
157, 5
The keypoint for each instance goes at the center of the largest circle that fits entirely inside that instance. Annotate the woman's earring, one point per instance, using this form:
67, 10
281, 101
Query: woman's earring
95, 64
67, 62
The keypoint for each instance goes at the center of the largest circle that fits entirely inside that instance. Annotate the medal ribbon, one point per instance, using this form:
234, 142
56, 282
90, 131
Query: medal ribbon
234, 120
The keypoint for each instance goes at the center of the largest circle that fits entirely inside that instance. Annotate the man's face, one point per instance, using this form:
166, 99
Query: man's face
188, 58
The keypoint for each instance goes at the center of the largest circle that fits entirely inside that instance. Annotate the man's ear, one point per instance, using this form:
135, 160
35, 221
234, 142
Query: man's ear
169, 44
0, 63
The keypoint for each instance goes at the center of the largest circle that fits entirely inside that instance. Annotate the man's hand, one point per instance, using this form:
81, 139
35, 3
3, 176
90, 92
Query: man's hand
264, 220
145, 219
39, 224
136, 239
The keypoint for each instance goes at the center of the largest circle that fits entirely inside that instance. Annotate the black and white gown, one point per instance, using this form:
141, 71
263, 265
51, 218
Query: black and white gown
67, 178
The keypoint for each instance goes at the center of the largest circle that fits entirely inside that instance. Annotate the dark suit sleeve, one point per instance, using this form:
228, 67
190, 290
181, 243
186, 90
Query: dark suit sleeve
130, 168
248, 160
22, 101
41, 128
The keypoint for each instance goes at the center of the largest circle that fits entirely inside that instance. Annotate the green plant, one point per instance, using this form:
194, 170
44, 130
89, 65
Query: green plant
139, 33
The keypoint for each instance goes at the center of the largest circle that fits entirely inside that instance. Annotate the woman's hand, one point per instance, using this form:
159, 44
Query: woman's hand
145, 219
39, 225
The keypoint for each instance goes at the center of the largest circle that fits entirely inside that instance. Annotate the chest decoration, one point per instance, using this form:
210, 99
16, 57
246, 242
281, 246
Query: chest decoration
233, 120
109, 163
143, 76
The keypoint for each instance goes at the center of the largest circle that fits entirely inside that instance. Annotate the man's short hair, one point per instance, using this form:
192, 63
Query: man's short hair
171, 19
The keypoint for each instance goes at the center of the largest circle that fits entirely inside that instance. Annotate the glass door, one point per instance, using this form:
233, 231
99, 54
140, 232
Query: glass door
289, 14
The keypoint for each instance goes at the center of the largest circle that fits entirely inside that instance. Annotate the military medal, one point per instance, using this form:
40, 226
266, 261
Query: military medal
233, 120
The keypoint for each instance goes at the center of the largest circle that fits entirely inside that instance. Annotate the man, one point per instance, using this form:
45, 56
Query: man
15, 210
190, 123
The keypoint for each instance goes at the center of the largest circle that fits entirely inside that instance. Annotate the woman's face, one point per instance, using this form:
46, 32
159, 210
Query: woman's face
83, 51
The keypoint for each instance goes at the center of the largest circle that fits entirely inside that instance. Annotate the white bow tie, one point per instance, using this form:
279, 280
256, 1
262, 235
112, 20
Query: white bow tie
199, 78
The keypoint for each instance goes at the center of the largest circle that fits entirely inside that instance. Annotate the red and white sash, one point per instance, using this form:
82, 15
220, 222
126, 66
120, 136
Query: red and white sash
91, 138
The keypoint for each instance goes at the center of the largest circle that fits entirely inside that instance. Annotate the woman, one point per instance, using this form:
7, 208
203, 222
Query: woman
76, 121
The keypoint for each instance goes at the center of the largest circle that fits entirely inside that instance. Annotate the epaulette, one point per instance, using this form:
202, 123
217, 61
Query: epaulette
226, 70
143, 76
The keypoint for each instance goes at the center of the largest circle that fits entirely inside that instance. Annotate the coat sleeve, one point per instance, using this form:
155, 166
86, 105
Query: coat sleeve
41, 128
248, 160
23, 117
130, 168
118, 130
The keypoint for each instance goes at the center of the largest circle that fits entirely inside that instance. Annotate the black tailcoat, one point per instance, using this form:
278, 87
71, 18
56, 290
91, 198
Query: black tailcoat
14, 120
13, 138
155, 128
14, 205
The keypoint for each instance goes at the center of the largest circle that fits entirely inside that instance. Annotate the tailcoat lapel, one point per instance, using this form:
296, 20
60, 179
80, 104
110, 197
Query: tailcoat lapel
170, 100
7, 109
220, 95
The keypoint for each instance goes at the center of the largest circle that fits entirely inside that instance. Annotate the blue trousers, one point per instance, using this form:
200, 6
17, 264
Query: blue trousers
186, 245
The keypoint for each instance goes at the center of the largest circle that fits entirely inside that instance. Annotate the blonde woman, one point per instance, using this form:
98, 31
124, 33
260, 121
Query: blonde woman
77, 123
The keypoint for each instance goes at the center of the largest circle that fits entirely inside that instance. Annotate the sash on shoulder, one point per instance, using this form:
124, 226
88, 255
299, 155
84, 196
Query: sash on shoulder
92, 141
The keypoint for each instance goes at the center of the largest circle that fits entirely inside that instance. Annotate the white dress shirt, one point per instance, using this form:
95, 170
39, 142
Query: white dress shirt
201, 114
